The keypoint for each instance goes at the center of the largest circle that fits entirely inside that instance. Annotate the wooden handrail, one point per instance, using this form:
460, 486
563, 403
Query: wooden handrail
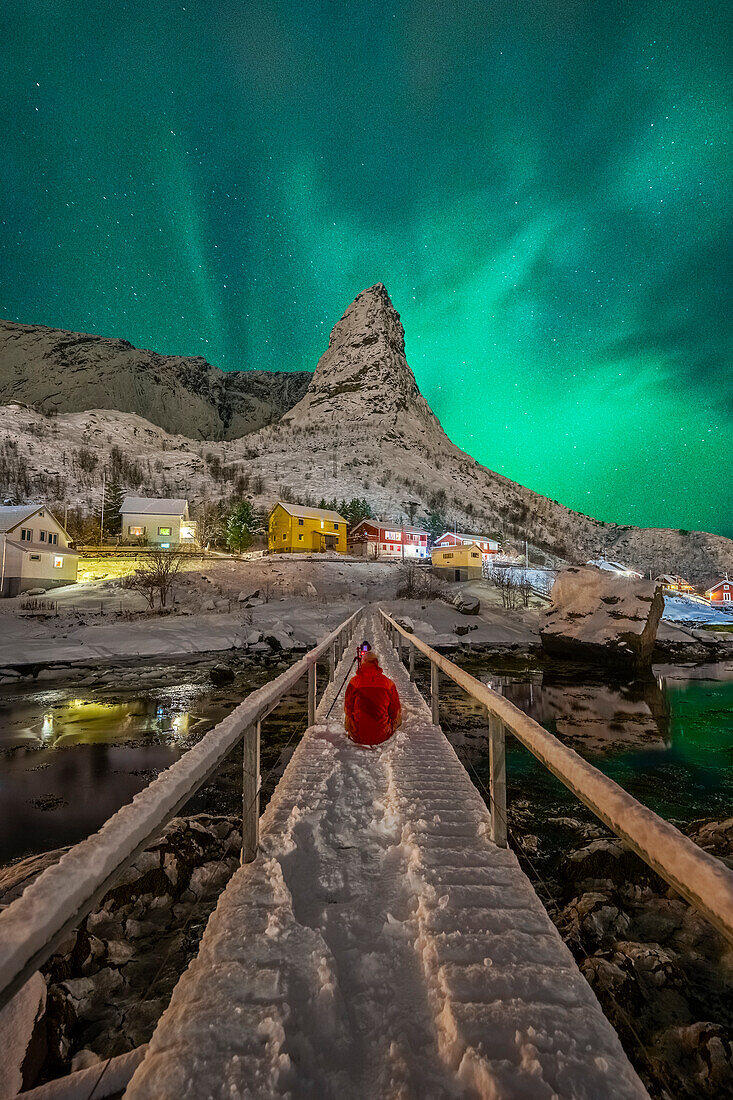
53, 904
699, 877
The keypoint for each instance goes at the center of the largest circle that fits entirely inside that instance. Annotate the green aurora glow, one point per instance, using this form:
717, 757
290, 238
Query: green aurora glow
543, 187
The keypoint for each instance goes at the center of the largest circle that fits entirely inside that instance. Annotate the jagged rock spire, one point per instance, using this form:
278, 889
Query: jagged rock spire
364, 369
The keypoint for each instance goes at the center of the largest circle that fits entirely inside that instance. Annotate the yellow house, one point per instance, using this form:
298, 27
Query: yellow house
292, 529
457, 563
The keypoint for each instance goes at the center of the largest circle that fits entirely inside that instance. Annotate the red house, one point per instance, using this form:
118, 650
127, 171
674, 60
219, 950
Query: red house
372, 539
455, 538
722, 592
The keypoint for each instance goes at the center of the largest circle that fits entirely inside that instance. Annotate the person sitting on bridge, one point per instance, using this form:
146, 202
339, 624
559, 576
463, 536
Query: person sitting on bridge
372, 710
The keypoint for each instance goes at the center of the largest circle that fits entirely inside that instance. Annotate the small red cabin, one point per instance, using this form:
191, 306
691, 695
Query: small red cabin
722, 592
452, 538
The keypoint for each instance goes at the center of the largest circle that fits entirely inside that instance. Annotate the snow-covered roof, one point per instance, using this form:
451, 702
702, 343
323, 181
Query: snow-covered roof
467, 538
390, 527
12, 515
300, 512
154, 506
718, 584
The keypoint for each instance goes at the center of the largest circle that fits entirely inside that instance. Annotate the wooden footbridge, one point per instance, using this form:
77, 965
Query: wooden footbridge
379, 938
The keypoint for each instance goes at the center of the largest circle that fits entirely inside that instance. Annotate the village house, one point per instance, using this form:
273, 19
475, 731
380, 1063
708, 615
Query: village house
372, 539
157, 521
486, 545
670, 582
722, 592
458, 562
294, 529
35, 550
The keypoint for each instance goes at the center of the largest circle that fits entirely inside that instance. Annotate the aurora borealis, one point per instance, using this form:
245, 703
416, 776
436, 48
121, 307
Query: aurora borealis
544, 188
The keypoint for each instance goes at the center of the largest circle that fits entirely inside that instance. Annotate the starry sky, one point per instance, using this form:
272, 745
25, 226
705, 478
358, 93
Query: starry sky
544, 186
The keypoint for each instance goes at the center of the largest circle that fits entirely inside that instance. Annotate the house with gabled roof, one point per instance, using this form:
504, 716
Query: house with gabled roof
722, 592
373, 539
157, 521
297, 529
486, 545
34, 550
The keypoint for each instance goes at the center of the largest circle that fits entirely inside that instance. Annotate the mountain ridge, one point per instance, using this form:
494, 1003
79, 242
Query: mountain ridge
362, 428
55, 370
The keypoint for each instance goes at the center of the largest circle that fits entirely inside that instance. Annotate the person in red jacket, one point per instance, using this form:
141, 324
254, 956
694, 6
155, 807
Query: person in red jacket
372, 710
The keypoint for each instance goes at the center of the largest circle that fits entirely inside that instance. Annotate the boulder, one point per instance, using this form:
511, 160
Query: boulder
278, 639
244, 596
221, 674
35, 592
467, 605
406, 623
598, 616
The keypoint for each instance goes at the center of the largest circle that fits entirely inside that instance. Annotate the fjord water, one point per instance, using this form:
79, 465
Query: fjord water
69, 758
668, 740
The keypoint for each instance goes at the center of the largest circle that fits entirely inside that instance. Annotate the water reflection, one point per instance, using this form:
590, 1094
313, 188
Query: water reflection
71, 761
599, 716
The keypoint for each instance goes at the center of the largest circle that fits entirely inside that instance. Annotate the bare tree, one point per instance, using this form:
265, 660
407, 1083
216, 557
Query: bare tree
508, 585
156, 575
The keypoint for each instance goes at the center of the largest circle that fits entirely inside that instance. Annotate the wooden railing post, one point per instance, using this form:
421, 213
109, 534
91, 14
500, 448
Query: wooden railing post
251, 793
312, 688
497, 780
331, 661
412, 661
435, 692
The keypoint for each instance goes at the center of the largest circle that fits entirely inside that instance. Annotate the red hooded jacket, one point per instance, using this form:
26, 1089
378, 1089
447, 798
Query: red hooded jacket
371, 705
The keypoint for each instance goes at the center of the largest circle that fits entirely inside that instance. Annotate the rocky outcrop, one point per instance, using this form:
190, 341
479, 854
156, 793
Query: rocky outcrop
602, 618
58, 371
105, 987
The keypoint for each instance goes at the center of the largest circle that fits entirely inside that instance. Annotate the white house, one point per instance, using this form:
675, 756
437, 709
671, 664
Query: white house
35, 550
158, 521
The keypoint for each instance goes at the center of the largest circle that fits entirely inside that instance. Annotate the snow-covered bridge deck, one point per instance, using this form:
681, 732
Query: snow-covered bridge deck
381, 945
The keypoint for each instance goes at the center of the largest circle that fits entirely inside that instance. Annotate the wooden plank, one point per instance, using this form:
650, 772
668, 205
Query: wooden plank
497, 780
251, 793
435, 693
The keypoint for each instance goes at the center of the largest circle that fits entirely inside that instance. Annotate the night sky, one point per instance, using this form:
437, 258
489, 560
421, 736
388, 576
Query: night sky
544, 187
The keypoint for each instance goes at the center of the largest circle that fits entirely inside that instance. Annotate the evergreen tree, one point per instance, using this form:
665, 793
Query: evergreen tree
241, 525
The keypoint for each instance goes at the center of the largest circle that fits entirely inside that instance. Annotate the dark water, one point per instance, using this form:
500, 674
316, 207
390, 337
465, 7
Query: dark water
667, 740
70, 757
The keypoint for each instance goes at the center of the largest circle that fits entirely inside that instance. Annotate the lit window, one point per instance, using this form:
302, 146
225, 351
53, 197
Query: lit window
136, 531
164, 530
58, 562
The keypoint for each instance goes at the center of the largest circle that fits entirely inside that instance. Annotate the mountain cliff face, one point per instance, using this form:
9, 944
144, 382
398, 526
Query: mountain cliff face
359, 428
57, 371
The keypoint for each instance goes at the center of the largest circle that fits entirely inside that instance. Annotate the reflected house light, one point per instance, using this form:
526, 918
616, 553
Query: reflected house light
47, 727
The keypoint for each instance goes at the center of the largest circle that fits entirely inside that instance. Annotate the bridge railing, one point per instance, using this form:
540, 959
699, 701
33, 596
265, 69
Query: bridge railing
32, 927
698, 876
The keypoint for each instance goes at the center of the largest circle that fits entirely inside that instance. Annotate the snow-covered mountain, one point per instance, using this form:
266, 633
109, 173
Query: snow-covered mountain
361, 428
56, 371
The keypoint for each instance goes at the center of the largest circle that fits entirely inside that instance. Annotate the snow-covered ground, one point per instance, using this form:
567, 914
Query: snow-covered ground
382, 946
695, 609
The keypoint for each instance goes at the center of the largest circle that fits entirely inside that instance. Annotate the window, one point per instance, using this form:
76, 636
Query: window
300, 538
53, 538
300, 524
164, 530
26, 535
139, 531
335, 526
35, 557
284, 537
58, 562
42, 536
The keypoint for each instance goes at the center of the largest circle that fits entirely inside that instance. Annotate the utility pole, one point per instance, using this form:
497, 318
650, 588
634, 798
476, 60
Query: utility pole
526, 555
101, 518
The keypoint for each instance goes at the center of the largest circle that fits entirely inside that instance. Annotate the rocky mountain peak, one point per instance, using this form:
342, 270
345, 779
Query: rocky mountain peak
364, 369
